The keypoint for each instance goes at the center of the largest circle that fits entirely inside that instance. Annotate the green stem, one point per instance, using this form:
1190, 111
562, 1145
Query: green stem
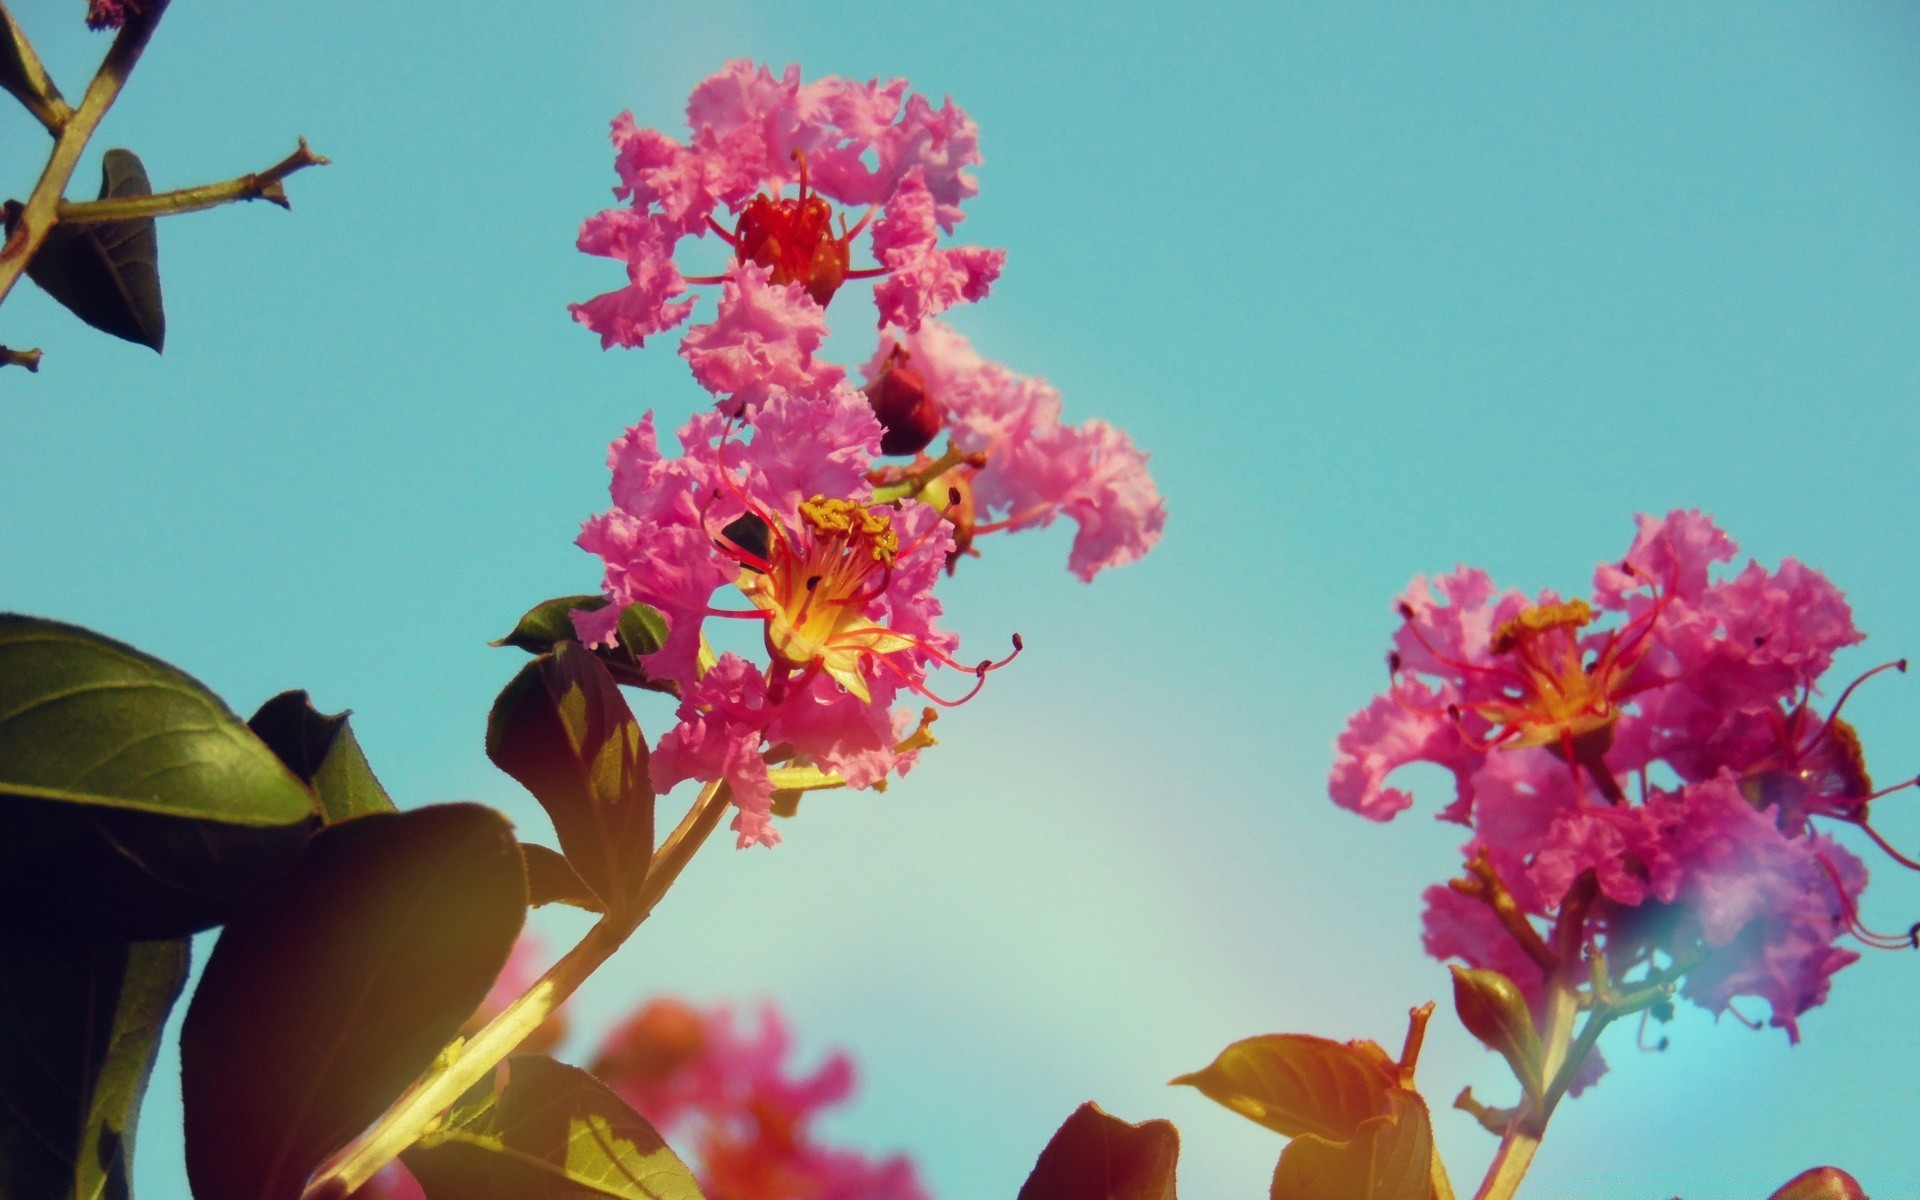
40, 213
435, 1092
264, 185
901, 488
28, 80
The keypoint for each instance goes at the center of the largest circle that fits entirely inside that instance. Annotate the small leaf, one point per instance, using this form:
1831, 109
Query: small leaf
323, 752
556, 1133
548, 622
133, 804
1389, 1158
79, 1031
551, 879
1097, 1156
108, 274
562, 728
321, 1004
1300, 1085
643, 630
1491, 1007
1821, 1183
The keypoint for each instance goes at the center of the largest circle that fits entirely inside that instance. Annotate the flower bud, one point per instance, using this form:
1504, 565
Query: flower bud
910, 416
1821, 1183
1491, 1007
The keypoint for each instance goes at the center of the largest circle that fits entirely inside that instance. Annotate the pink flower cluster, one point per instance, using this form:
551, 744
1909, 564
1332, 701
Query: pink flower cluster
871, 146
777, 508
726, 1092
1675, 760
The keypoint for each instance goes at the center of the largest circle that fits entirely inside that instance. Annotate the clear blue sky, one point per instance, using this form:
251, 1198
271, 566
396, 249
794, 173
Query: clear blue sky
1382, 287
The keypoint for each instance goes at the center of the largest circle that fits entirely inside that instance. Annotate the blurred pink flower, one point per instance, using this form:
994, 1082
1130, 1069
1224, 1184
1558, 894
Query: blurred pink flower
112, 14
870, 146
726, 1090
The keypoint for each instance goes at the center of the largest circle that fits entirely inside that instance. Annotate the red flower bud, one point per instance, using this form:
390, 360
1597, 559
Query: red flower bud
911, 417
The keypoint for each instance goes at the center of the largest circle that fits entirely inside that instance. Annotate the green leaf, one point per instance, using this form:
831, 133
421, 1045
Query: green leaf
1300, 1085
133, 804
108, 274
551, 879
562, 728
79, 1030
1389, 1157
642, 630
556, 1133
549, 622
1097, 1156
322, 1003
321, 750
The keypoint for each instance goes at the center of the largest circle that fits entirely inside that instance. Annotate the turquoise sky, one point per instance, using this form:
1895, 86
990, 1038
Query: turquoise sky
1383, 288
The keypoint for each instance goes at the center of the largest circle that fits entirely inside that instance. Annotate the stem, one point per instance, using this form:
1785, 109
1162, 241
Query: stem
29, 81
9, 357
262, 186
913, 481
40, 213
435, 1092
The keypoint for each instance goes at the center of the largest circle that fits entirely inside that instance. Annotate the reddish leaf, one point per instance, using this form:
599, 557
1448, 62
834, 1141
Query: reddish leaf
1821, 1183
1389, 1158
1097, 1156
1301, 1085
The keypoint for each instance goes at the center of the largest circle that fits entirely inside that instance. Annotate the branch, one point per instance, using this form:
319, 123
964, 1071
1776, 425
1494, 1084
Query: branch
1484, 884
262, 186
22, 73
9, 357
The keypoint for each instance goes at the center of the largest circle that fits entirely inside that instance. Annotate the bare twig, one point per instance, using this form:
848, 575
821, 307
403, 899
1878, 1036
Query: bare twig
264, 185
40, 213
28, 80
9, 357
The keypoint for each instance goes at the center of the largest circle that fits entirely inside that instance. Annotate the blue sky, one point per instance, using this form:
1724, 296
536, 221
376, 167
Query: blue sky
1382, 288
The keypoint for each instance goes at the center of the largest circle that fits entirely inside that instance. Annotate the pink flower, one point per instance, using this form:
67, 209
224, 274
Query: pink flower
842, 587
703, 1078
764, 339
870, 146
1702, 682
1035, 469
112, 14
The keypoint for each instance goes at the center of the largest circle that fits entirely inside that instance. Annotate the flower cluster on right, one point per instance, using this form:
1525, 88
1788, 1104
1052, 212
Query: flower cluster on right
1653, 755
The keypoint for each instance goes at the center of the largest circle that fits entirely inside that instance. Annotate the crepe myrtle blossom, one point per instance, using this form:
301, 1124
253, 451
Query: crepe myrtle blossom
1658, 746
1013, 464
778, 515
774, 167
723, 1089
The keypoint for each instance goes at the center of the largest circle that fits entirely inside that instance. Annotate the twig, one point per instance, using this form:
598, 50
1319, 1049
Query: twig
32, 87
1484, 885
30, 359
264, 185
39, 214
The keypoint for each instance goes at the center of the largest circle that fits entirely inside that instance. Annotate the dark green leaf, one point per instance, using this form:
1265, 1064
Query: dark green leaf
1389, 1158
79, 1030
556, 1133
1297, 1084
1097, 1156
321, 750
325, 1000
562, 728
551, 879
642, 630
548, 622
133, 804
108, 274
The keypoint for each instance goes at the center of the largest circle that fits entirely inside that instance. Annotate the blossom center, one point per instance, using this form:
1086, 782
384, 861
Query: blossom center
1559, 698
814, 589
